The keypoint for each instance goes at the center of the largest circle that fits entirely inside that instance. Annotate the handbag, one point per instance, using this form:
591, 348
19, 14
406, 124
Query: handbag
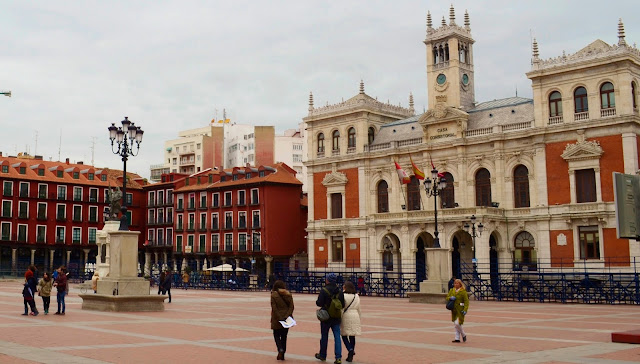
345, 310
451, 305
322, 314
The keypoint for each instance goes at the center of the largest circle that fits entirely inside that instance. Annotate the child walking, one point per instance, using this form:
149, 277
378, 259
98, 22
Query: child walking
44, 290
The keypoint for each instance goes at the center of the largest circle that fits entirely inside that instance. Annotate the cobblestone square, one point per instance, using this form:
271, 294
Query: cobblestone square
233, 327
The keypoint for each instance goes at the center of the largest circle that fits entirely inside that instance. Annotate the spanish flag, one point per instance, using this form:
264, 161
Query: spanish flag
404, 178
416, 171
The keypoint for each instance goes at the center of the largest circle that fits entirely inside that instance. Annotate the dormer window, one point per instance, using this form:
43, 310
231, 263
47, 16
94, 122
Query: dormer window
22, 170
41, 172
248, 175
5, 169
59, 174
90, 176
76, 175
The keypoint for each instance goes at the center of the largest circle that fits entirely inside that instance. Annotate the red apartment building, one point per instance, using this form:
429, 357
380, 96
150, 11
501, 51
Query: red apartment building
250, 217
51, 211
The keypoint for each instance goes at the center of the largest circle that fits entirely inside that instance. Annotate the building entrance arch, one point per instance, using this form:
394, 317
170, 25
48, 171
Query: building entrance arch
391, 256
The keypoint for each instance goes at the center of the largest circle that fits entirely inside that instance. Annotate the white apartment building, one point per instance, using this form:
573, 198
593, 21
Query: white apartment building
289, 149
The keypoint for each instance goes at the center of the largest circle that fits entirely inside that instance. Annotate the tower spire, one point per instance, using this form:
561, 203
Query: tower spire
411, 109
310, 101
535, 49
444, 22
452, 15
361, 87
621, 40
429, 24
467, 22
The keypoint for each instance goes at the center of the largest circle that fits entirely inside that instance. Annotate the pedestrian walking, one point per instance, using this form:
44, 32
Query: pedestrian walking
62, 286
166, 284
44, 290
458, 294
161, 282
327, 294
94, 281
28, 293
350, 325
451, 282
361, 288
185, 280
281, 309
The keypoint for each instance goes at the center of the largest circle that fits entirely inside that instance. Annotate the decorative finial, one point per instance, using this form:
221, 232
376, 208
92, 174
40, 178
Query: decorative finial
444, 22
411, 109
535, 48
452, 15
310, 101
429, 24
467, 22
621, 40
361, 87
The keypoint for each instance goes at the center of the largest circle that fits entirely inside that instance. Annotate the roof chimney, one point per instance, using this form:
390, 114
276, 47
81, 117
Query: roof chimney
67, 161
80, 162
36, 157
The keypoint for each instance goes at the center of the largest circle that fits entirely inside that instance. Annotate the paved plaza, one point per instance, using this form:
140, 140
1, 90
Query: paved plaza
233, 327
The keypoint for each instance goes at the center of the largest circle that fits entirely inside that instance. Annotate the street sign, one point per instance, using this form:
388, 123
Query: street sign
626, 190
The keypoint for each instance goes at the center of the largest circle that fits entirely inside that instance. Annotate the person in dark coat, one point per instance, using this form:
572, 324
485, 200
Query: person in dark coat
28, 293
61, 285
161, 282
166, 284
323, 301
281, 308
451, 281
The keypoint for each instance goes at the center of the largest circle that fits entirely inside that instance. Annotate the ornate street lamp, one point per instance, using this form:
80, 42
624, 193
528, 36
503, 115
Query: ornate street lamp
434, 187
125, 137
473, 232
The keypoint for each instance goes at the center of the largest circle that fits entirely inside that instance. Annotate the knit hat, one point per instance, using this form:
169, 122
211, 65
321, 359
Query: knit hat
332, 278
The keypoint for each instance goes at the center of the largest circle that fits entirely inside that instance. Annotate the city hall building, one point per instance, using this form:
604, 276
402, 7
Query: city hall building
536, 173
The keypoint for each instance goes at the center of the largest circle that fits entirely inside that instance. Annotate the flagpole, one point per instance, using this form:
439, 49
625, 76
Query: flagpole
406, 204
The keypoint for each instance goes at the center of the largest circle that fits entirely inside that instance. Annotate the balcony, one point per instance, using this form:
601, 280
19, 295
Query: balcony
335, 152
179, 229
351, 150
606, 113
580, 116
203, 206
180, 208
553, 120
22, 215
61, 218
215, 227
228, 226
40, 239
256, 247
320, 154
191, 207
191, 228
202, 228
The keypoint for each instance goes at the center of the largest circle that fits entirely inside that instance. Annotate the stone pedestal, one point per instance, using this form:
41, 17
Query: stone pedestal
121, 289
434, 289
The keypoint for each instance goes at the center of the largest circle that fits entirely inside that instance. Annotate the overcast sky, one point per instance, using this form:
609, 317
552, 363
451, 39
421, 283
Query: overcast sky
74, 67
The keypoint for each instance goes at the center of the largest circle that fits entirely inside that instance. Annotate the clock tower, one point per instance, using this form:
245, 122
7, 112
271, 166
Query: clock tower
450, 63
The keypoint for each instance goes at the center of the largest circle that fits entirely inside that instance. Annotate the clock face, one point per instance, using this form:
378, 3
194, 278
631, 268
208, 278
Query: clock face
441, 79
465, 79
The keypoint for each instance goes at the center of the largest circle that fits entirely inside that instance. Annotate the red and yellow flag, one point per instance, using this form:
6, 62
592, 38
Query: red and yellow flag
404, 178
416, 171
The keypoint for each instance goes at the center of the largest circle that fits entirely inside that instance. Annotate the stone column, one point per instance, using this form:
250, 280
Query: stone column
268, 259
198, 264
14, 261
147, 264
52, 253
86, 258
155, 255
164, 258
33, 255
434, 289
68, 258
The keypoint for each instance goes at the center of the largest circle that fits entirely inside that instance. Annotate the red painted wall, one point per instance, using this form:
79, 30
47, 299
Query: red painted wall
352, 200
561, 256
557, 174
611, 161
265, 140
285, 234
616, 251
352, 256
321, 257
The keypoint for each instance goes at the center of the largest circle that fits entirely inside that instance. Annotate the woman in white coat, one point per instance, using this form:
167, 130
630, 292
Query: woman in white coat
350, 325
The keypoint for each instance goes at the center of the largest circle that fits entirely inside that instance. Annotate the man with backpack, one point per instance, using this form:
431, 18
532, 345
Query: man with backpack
331, 299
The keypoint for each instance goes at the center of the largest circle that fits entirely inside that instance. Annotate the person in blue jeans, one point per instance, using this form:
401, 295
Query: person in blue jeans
61, 285
324, 300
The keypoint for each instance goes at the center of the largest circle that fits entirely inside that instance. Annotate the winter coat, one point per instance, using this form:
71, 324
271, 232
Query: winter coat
281, 307
45, 287
324, 300
30, 286
62, 282
350, 324
166, 284
461, 304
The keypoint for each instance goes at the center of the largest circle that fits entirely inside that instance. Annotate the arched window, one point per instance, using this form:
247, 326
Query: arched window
413, 194
435, 55
483, 187
447, 199
580, 100
633, 95
524, 254
387, 260
351, 134
336, 140
607, 97
383, 196
321, 143
555, 104
521, 186
446, 52
371, 134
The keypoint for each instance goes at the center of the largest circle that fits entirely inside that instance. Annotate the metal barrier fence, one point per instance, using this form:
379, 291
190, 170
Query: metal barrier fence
547, 283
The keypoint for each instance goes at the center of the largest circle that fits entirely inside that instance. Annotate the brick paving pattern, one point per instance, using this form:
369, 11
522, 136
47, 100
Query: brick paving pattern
233, 327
